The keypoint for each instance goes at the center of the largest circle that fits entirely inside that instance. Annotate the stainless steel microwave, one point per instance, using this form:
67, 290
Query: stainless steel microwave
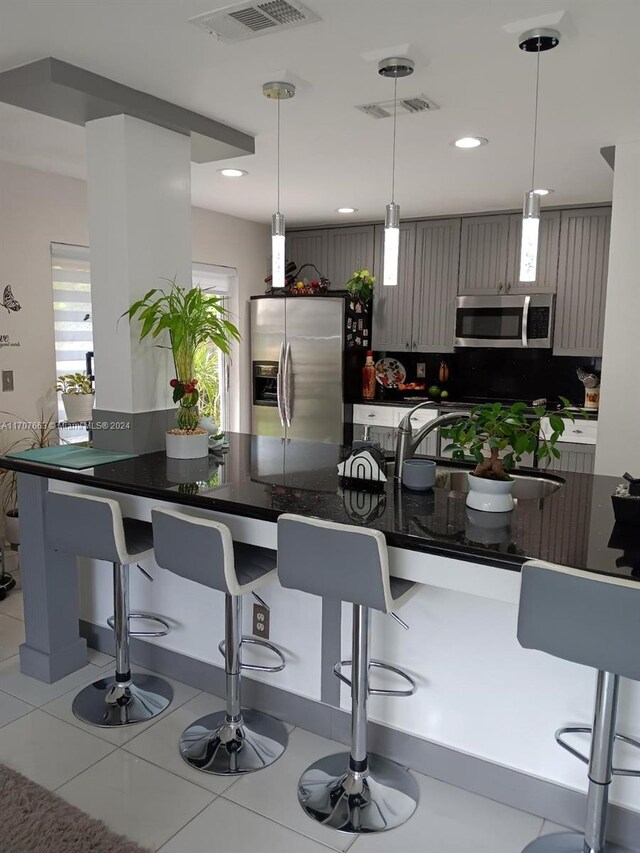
505, 321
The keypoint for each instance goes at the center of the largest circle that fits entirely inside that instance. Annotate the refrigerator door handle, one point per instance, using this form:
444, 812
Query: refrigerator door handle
280, 380
288, 414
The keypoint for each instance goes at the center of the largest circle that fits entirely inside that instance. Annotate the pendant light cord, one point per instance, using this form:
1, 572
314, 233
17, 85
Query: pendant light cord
393, 155
278, 157
535, 120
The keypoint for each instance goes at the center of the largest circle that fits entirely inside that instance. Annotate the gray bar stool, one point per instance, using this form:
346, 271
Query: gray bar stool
592, 620
92, 526
355, 792
238, 740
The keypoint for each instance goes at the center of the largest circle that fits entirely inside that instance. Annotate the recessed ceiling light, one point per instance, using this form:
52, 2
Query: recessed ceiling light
346, 210
233, 173
470, 142
542, 192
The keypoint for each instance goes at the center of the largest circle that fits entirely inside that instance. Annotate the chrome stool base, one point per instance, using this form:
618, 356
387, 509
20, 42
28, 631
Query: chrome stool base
382, 798
566, 842
216, 745
107, 703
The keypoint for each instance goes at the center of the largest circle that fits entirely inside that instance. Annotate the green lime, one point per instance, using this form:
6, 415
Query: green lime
444, 395
434, 391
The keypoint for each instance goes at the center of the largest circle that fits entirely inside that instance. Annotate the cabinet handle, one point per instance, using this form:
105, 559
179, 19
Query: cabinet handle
508, 288
500, 286
414, 345
372, 415
407, 345
578, 431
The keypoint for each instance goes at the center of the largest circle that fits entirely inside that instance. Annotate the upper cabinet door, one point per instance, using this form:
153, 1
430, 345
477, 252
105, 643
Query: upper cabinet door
484, 244
582, 281
548, 250
308, 247
436, 285
349, 249
393, 306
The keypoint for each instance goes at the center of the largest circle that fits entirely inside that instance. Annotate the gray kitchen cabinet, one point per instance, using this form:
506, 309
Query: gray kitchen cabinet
348, 249
484, 250
392, 327
582, 281
429, 446
384, 436
548, 252
436, 285
577, 458
308, 247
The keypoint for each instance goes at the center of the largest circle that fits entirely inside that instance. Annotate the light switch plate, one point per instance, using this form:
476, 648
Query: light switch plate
421, 370
7, 380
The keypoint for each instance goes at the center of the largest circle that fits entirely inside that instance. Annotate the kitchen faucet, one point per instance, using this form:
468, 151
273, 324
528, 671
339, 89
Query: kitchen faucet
407, 442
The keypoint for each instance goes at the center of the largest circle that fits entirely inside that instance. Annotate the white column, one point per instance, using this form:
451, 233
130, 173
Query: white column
618, 448
139, 194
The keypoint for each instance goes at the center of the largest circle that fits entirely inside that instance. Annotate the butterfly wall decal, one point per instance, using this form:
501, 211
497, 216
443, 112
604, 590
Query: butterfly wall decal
9, 301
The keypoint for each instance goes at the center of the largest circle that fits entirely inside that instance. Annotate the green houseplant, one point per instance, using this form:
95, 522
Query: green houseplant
497, 437
77, 396
361, 285
191, 319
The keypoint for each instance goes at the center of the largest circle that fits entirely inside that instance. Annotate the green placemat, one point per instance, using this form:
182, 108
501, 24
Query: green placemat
70, 457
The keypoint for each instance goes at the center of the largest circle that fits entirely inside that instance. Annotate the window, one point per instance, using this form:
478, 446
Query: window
73, 329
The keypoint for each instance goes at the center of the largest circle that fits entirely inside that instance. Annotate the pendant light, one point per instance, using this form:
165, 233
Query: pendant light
278, 92
537, 41
394, 67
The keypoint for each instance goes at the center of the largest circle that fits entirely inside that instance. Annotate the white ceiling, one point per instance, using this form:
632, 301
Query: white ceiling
334, 156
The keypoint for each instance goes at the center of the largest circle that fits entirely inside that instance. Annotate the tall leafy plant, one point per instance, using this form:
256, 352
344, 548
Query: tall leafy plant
191, 319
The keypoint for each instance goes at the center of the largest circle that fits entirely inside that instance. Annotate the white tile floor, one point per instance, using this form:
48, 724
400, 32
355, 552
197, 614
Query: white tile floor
137, 783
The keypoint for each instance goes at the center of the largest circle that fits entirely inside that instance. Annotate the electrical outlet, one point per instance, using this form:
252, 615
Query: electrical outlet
421, 370
7, 380
261, 621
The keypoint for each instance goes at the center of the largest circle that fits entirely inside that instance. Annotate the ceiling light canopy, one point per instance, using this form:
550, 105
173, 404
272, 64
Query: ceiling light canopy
278, 91
233, 173
470, 142
395, 67
533, 41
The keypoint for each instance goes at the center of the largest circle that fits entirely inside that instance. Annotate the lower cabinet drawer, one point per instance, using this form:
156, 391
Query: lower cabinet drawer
374, 415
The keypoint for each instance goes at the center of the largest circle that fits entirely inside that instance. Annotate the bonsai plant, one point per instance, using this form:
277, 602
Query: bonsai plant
497, 437
77, 396
192, 319
361, 284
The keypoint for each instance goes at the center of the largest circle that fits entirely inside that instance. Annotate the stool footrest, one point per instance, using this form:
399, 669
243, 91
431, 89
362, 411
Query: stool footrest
375, 691
255, 641
617, 771
148, 617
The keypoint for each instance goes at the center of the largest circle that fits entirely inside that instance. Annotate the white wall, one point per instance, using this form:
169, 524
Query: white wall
37, 208
618, 449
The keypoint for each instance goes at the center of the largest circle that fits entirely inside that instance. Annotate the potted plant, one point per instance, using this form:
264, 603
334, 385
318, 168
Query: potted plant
77, 396
361, 284
192, 319
497, 437
38, 434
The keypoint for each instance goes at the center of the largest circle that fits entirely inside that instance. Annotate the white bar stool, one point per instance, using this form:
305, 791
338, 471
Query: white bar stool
238, 740
355, 792
91, 526
592, 620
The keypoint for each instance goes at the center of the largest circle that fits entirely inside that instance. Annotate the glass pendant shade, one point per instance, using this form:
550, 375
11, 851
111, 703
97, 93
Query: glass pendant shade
277, 250
391, 246
530, 237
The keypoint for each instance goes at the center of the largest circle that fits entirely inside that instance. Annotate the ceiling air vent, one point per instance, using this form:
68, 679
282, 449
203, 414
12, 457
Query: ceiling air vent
406, 106
248, 20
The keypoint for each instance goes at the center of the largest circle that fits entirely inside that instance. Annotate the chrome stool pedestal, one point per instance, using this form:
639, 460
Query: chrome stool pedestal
358, 792
238, 740
119, 700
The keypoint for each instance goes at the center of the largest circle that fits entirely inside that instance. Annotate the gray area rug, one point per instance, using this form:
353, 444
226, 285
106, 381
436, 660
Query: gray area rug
33, 820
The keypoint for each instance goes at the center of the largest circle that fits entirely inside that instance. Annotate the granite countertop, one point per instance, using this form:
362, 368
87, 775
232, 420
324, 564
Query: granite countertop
261, 477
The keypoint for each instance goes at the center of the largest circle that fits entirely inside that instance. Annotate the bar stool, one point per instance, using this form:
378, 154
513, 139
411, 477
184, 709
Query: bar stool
355, 792
91, 526
238, 740
592, 620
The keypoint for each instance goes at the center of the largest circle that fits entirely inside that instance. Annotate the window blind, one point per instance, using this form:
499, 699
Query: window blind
72, 318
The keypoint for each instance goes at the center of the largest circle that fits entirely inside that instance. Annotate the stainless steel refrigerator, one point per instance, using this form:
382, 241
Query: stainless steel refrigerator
297, 355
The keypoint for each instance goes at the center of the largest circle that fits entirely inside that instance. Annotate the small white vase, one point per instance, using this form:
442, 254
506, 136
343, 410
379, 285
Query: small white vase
78, 407
187, 446
12, 529
490, 495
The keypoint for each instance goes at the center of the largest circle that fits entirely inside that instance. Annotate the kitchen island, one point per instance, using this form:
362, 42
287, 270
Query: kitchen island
485, 710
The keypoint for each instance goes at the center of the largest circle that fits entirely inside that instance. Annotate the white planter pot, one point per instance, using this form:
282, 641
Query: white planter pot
78, 407
187, 446
12, 529
187, 470
490, 495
